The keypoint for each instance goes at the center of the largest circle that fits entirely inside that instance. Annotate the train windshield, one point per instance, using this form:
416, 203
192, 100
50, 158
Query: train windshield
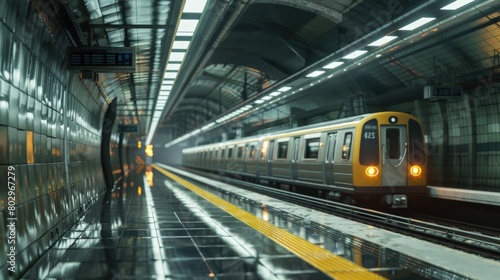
393, 140
417, 147
368, 154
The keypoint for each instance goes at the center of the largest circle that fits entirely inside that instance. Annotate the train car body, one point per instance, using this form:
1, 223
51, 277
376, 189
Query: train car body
372, 157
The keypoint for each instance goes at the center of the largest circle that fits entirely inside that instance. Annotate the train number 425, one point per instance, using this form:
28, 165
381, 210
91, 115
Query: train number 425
370, 135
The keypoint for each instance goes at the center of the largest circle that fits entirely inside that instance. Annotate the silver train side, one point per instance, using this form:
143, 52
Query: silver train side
377, 157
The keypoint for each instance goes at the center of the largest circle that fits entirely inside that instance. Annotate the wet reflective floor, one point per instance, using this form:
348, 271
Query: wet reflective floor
150, 227
162, 232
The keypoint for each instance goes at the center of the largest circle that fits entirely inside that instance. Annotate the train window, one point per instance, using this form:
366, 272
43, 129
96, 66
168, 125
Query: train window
251, 152
393, 143
263, 151
417, 147
229, 153
346, 148
369, 146
312, 148
240, 152
223, 153
282, 149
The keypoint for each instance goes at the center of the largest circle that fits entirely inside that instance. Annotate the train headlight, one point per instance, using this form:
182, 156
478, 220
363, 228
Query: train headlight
393, 119
371, 171
415, 170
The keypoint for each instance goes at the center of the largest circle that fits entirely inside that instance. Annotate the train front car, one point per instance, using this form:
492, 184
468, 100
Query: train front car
391, 160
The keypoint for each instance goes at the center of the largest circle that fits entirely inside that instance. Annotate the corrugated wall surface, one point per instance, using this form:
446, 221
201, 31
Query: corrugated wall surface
463, 137
50, 134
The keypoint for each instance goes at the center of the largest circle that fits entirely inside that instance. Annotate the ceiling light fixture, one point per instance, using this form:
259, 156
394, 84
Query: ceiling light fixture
355, 54
333, 65
382, 41
184, 32
417, 23
283, 89
187, 27
181, 45
457, 4
176, 56
315, 74
194, 6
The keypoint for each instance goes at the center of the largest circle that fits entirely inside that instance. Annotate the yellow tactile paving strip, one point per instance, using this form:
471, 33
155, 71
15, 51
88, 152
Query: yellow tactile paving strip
325, 261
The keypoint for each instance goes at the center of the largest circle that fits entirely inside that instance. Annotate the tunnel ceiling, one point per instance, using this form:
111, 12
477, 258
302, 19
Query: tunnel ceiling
242, 49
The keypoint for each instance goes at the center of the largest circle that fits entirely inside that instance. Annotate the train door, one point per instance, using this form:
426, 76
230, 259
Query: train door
394, 155
282, 157
222, 161
269, 158
295, 158
328, 167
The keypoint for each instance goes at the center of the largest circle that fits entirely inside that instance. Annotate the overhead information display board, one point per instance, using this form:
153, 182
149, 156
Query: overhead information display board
127, 128
442, 92
101, 60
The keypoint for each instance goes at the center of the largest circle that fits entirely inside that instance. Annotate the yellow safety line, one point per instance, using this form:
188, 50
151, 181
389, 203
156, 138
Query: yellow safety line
324, 260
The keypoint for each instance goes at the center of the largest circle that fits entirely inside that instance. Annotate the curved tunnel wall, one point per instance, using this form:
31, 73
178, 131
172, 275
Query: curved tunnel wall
50, 134
463, 138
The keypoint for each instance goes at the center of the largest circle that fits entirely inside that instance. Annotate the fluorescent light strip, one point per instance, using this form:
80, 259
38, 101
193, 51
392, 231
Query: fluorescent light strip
275, 93
187, 27
170, 75
355, 54
283, 89
333, 65
457, 4
173, 66
382, 41
180, 45
176, 56
417, 23
315, 74
194, 6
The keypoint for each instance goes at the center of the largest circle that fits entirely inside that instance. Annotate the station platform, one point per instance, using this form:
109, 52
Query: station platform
155, 225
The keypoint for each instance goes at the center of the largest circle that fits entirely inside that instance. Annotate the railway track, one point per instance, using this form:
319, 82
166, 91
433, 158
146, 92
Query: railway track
449, 233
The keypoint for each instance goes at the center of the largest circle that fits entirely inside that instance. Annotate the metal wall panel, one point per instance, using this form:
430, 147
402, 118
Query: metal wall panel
4, 102
4, 146
33, 86
22, 187
13, 106
3, 246
6, 54
30, 113
21, 146
12, 140
21, 113
3, 194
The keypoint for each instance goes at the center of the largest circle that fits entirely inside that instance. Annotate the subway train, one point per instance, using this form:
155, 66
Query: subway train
372, 158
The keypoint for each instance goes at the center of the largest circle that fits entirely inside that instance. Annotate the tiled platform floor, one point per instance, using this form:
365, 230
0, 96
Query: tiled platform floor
164, 232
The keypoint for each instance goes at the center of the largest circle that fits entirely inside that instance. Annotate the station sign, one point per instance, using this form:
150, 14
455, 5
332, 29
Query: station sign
127, 128
442, 92
101, 59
